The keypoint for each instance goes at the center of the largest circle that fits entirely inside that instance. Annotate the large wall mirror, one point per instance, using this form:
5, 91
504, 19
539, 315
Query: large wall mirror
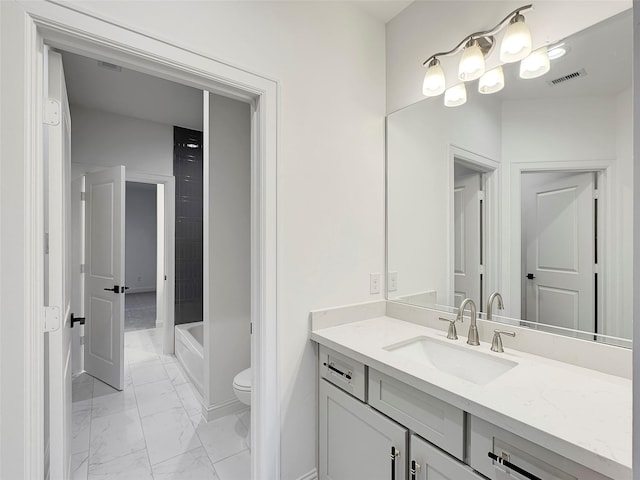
527, 192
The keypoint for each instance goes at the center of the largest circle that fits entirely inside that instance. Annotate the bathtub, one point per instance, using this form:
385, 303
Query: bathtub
190, 352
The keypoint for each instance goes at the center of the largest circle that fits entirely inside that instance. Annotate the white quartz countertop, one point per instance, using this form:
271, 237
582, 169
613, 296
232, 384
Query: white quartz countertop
581, 414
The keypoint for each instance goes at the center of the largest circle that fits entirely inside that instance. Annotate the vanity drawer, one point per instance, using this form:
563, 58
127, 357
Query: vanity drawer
431, 418
343, 372
531, 457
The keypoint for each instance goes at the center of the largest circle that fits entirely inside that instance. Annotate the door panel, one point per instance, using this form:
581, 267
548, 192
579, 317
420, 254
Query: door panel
104, 328
558, 233
57, 158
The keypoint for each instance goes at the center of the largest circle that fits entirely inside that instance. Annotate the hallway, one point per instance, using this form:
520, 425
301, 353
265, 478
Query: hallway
153, 429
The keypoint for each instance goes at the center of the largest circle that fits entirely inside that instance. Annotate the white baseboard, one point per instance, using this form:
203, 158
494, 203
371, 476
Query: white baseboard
222, 409
312, 475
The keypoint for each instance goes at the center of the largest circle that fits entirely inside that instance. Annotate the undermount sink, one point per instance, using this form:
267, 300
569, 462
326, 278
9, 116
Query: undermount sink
476, 367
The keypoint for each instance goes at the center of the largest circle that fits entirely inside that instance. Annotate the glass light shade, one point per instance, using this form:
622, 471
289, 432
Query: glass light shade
516, 43
536, 64
455, 96
472, 63
492, 81
434, 82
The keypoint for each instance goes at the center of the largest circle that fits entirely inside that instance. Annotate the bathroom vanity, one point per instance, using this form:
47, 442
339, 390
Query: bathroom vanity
398, 400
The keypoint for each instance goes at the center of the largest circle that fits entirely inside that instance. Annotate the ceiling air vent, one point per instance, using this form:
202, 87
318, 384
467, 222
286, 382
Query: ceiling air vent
109, 66
580, 73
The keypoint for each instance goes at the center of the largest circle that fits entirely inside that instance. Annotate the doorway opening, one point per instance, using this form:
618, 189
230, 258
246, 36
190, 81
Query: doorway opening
474, 227
144, 254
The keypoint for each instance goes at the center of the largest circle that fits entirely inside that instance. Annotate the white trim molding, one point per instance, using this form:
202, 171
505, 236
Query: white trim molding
25, 27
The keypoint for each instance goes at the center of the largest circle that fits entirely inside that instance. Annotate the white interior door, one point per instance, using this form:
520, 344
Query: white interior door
466, 265
77, 272
558, 235
104, 275
57, 161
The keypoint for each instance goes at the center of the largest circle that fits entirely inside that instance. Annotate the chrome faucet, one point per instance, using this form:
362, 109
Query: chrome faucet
472, 337
493, 296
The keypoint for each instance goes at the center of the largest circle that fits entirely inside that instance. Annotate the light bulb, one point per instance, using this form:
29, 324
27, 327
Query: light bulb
492, 81
472, 62
535, 65
455, 96
434, 82
516, 43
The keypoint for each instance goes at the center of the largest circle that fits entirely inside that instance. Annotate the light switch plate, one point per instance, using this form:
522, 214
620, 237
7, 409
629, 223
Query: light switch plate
393, 281
374, 283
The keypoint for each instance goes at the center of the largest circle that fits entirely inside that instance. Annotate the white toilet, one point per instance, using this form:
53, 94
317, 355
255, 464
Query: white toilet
242, 389
242, 386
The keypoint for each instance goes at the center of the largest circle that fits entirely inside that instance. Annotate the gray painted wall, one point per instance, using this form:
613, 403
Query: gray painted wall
229, 245
141, 237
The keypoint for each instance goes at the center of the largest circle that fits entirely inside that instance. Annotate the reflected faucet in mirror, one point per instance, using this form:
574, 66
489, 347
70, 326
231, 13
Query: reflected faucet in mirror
472, 337
493, 296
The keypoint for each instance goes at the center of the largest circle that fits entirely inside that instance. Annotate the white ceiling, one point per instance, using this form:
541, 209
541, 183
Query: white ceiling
131, 93
383, 10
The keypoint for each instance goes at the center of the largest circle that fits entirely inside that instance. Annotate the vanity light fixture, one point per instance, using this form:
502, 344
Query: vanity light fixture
536, 64
434, 82
455, 96
492, 81
516, 45
472, 62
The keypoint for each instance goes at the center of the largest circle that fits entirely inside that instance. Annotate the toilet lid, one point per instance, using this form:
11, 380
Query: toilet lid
242, 380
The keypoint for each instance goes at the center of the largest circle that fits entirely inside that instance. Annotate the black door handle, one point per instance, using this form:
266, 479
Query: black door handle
394, 454
75, 320
513, 467
530, 276
115, 289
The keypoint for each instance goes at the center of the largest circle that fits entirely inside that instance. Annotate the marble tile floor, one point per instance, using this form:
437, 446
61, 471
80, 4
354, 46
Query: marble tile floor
139, 311
153, 428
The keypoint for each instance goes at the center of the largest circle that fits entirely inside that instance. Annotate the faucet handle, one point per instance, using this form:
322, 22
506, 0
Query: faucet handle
496, 344
452, 334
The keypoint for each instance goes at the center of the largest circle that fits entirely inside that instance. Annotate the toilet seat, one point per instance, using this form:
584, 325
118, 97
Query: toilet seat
242, 380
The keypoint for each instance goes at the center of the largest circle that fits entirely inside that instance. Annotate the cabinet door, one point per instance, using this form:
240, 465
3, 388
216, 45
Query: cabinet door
426, 462
356, 441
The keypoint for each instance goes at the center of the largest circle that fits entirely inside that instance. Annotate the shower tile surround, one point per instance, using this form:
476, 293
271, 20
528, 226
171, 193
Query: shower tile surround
149, 430
548, 398
187, 169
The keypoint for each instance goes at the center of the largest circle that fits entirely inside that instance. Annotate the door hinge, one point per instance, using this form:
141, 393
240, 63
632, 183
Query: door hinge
481, 269
46, 243
51, 112
82, 267
596, 194
51, 319
596, 268
83, 196
481, 195
250, 328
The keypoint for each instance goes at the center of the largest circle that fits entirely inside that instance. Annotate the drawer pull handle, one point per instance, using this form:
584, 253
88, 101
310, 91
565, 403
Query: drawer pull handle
394, 453
339, 372
513, 467
415, 468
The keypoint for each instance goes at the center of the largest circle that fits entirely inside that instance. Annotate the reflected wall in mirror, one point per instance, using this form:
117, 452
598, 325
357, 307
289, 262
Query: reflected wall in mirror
527, 191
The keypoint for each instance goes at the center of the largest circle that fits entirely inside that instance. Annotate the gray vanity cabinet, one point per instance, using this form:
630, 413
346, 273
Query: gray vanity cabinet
356, 441
427, 462
488, 439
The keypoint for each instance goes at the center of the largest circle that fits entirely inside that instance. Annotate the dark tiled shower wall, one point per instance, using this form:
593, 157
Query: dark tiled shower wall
187, 169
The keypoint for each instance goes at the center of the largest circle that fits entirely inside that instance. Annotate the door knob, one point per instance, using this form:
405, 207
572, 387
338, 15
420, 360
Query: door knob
530, 276
115, 289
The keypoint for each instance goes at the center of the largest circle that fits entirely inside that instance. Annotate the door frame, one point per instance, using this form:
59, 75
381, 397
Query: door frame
169, 183
26, 28
491, 172
513, 288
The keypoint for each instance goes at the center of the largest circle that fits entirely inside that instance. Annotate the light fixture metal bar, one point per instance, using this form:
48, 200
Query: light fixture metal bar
474, 36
